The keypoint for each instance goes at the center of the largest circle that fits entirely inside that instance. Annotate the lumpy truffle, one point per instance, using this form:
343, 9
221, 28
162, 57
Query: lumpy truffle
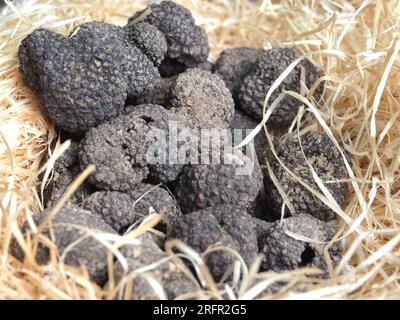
268, 67
328, 164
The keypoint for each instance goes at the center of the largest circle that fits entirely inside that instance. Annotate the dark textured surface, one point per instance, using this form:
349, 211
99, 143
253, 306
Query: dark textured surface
187, 43
282, 252
269, 66
225, 226
327, 162
66, 169
84, 80
149, 39
245, 123
204, 98
65, 225
233, 65
121, 210
158, 119
160, 95
206, 185
167, 274
118, 150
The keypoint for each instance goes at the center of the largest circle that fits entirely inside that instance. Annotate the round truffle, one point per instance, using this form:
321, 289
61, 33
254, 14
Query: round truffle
203, 98
118, 150
187, 42
283, 252
225, 226
121, 210
145, 252
149, 40
207, 185
68, 226
233, 65
327, 162
268, 67
85, 79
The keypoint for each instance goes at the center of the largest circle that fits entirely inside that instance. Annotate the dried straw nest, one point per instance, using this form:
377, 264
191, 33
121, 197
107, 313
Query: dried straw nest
354, 42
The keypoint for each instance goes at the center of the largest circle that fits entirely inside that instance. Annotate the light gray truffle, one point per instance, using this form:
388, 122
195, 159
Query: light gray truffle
67, 229
269, 66
172, 279
204, 98
327, 162
121, 210
283, 252
226, 226
207, 185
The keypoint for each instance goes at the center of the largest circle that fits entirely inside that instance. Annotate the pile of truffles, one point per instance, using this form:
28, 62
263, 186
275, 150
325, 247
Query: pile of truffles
109, 88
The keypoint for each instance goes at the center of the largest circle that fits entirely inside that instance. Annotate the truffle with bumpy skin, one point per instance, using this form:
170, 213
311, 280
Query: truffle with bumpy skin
233, 65
187, 42
121, 210
226, 226
203, 98
268, 67
118, 150
327, 163
145, 252
207, 185
65, 170
283, 252
149, 39
85, 79
68, 226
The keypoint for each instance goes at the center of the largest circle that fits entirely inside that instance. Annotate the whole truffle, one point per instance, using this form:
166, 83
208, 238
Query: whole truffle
85, 79
225, 226
187, 43
328, 164
149, 39
207, 185
121, 210
69, 225
283, 252
145, 252
65, 170
118, 150
203, 98
233, 65
269, 66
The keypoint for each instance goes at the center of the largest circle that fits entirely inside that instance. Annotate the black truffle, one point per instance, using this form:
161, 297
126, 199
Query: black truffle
149, 39
121, 210
206, 185
66, 169
269, 66
187, 43
233, 65
327, 162
226, 226
283, 252
118, 150
68, 226
143, 253
84, 80
203, 98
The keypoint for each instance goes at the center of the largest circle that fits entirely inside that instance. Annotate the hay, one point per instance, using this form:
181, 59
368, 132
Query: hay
356, 44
